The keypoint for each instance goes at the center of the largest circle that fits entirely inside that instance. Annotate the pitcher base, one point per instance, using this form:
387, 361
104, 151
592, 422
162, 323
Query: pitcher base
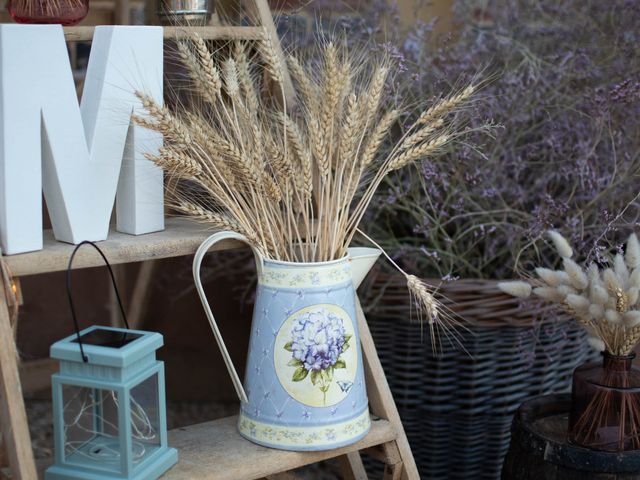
305, 438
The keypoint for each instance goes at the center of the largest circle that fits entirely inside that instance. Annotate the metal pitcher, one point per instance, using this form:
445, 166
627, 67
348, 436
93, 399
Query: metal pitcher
304, 383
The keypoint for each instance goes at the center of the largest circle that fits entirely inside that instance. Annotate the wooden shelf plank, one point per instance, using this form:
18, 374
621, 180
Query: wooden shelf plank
180, 237
85, 34
215, 450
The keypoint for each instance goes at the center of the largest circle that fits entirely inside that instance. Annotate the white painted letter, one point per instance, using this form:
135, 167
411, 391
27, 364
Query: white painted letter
75, 154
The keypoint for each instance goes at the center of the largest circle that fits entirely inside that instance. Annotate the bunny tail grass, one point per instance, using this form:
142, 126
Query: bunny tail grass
516, 289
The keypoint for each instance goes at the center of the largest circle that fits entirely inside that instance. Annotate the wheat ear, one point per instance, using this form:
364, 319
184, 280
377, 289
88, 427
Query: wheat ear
374, 93
445, 106
270, 57
208, 91
230, 74
319, 146
349, 131
176, 163
421, 135
417, 153
331, 88
308, 88
633, 337
304, 177
280, 162
165, 122
211, 73
377, 136
423, 297
244, 77
216, 219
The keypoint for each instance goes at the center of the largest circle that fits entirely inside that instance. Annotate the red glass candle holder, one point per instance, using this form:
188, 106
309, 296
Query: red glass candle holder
65, 12
605, 405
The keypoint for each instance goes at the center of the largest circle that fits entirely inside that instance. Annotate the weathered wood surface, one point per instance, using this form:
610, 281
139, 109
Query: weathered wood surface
216, 451
85, 34
260, 13
381, 401
352, 467
539, 449
139, 302
13, 416
180, 237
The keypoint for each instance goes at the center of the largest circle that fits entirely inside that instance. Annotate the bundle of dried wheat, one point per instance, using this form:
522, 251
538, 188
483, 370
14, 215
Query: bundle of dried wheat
604, 301
295, 182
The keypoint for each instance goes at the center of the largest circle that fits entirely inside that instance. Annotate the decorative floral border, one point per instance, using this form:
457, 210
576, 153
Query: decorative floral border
304, 277
319, 436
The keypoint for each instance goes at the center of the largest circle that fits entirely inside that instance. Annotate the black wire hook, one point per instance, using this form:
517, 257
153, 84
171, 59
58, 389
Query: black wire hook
69, 295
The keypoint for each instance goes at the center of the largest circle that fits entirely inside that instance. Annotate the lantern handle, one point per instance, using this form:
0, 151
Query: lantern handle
70, 297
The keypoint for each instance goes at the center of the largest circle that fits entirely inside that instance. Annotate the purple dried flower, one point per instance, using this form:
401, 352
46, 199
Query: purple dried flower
563, 83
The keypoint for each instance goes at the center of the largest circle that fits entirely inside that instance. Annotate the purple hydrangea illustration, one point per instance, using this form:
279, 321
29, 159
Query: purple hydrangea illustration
318, 339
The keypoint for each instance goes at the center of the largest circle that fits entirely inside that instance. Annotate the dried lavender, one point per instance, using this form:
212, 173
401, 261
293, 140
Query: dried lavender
566, 94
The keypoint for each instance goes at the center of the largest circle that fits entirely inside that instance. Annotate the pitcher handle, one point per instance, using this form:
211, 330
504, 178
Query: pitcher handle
197, 263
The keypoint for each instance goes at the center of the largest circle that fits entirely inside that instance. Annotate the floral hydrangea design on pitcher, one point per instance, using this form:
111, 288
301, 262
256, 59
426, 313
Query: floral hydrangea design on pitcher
315, 359
318, 342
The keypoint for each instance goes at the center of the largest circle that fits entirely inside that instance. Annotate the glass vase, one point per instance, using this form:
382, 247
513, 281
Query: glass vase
65, 12
605, 405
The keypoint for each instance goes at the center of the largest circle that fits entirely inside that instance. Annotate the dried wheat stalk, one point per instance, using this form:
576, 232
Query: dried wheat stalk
296, 184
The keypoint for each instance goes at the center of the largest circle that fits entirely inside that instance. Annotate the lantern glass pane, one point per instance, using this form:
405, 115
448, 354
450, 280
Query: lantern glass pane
145, 419
91, 433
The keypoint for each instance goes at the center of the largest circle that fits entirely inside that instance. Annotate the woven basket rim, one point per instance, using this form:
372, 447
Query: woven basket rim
476, 302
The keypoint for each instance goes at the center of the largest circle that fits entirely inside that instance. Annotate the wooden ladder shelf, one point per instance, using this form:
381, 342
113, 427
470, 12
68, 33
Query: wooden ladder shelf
212, 450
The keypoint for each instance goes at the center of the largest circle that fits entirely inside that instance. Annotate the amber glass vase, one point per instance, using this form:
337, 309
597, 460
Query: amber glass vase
605, 405
65, 12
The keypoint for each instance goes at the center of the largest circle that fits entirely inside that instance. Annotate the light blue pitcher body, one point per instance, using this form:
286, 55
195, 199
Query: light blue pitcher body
304, 385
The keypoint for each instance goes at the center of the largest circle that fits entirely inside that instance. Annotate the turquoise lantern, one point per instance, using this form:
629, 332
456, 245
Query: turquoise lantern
109, 408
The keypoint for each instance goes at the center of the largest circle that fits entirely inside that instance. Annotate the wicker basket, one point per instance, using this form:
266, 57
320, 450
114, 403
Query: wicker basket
457, 407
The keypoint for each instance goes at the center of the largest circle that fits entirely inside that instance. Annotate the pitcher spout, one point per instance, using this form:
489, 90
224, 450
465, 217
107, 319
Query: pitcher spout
362, 259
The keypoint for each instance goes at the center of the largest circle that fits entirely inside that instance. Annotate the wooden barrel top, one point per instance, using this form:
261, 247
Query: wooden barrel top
540, 434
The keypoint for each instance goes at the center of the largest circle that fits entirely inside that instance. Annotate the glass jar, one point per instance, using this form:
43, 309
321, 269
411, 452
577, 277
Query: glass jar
184, 12
65, 12
605, 405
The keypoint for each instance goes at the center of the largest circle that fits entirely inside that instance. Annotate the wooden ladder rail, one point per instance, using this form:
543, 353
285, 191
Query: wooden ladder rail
16, 439
399, 463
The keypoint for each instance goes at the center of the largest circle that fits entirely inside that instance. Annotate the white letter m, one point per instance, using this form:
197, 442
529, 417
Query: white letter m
74, 154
